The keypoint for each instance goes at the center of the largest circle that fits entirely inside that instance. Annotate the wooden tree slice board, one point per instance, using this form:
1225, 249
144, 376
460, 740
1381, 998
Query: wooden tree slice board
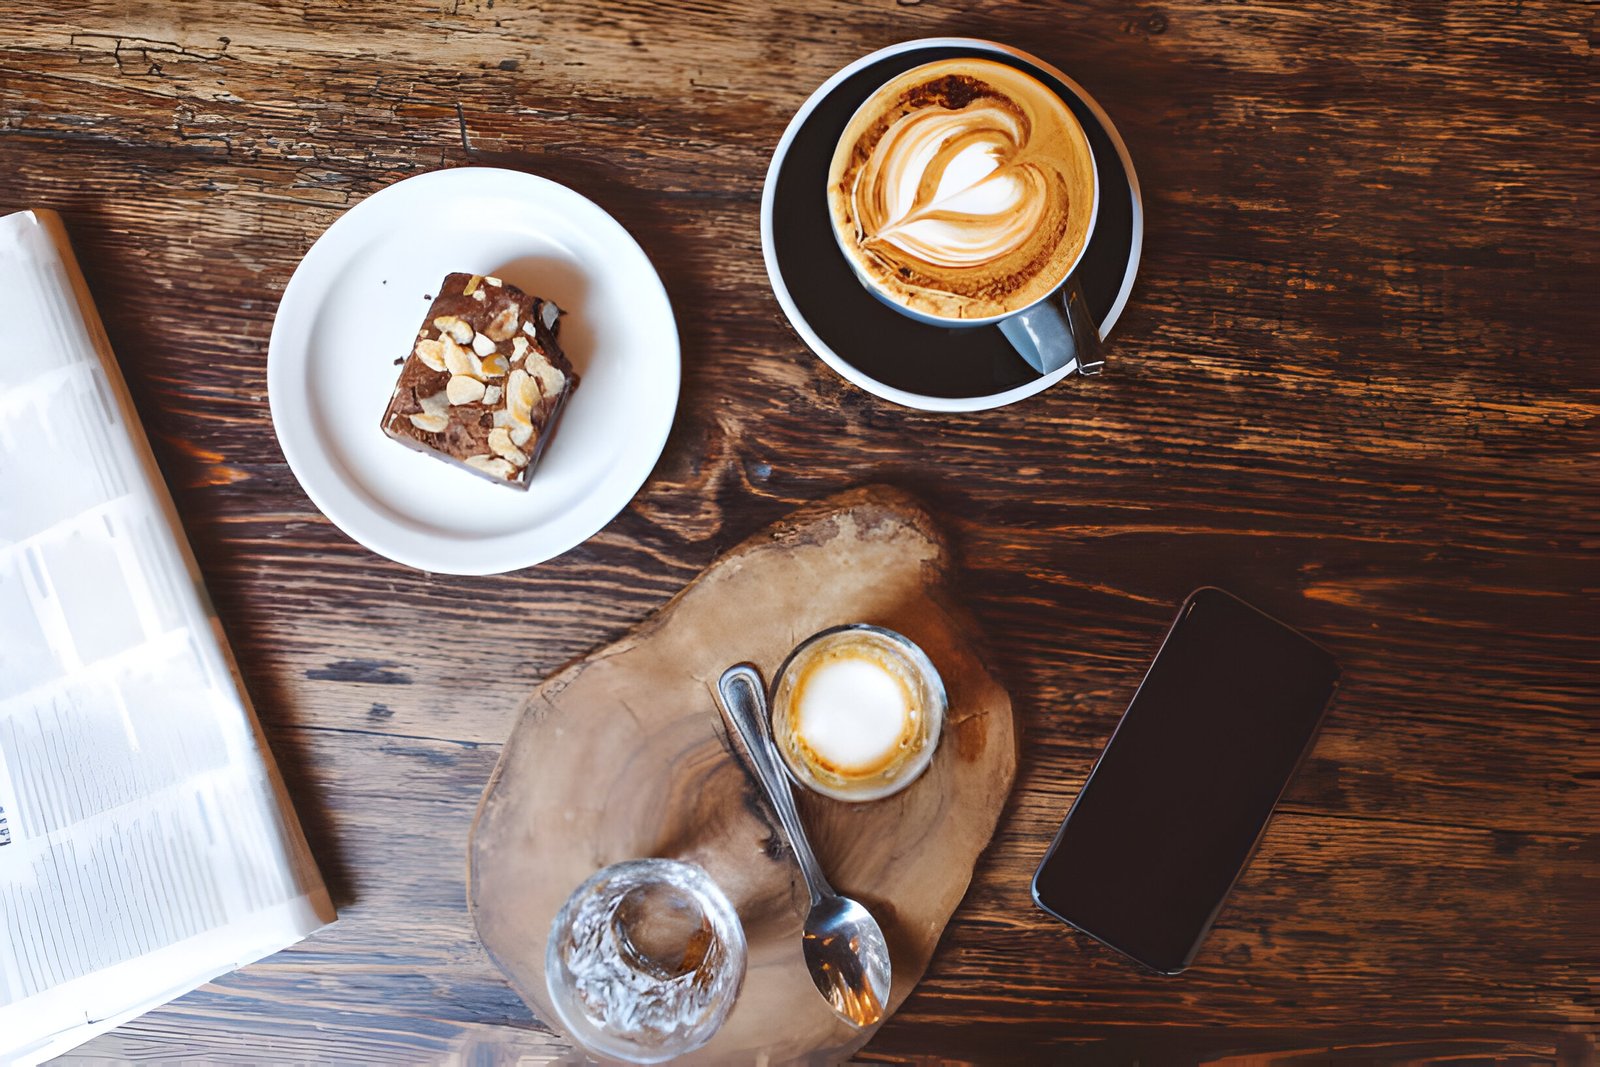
623, 754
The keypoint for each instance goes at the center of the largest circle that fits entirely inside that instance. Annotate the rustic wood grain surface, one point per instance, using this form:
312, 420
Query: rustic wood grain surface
656, 772
1355, 385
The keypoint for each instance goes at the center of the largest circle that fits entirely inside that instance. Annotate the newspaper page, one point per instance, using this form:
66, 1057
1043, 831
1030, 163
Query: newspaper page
146, 841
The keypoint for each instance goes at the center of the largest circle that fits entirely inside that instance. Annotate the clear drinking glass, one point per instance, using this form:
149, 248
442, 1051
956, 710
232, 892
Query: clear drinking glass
645, 960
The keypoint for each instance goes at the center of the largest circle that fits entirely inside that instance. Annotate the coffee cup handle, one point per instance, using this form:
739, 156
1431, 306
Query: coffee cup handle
1057, 331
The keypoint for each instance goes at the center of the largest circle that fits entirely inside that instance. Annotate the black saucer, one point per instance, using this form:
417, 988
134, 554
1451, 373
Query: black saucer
952, 365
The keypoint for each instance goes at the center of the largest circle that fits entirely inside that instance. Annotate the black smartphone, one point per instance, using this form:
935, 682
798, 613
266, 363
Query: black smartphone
1176, 803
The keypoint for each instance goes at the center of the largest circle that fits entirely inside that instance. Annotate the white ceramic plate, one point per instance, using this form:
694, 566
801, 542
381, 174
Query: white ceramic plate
354, 306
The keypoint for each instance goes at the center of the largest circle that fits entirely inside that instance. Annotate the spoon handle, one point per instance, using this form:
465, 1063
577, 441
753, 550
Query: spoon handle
744, 705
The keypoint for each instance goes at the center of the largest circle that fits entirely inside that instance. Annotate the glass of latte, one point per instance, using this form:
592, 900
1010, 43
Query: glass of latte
963, 192
857, 711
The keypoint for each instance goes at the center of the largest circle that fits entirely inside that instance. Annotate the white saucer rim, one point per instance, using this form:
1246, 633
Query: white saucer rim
490, 563
847, 370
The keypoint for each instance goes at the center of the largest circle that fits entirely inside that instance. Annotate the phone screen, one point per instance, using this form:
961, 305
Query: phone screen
1172, 811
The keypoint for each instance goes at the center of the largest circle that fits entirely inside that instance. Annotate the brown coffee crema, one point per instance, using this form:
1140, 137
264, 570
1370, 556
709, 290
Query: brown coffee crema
963, 189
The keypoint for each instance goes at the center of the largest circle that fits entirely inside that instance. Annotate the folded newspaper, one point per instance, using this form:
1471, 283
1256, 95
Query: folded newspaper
147, 844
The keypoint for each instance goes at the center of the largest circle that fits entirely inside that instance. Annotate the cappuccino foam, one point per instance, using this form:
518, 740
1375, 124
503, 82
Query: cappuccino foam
857, 712
963, 189
853, 713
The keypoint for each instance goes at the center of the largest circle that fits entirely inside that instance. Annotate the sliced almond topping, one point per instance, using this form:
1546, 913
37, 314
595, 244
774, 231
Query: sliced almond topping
492, 465
551, 381
528, 329
478, 295
550, 313
483, 345
456, 327
437, 404
495, 366
519, 348
431, 353
500, 442
518, 402
503, 325
530, 393
491, 396
458, 360
521, 435
492, 280
463, 389
502, 417
430, 423
472, 285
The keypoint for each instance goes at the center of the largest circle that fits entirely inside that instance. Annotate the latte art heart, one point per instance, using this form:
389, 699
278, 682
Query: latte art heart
963, 189
952, 188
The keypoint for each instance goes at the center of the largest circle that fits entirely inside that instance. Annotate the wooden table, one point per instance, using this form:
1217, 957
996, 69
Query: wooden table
1355, 385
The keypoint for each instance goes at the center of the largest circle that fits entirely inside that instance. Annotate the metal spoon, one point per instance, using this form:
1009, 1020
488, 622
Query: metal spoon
844, 946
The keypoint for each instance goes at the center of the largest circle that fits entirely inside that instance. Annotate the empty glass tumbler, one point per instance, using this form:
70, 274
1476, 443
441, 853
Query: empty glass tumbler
645, 960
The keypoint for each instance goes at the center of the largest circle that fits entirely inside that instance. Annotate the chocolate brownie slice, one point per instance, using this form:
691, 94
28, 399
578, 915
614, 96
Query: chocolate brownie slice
485, 383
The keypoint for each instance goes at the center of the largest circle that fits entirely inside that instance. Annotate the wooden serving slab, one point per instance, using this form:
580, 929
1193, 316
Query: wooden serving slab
623, 754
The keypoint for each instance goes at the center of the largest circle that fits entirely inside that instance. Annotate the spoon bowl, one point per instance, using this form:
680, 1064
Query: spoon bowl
848, 959
844, 947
